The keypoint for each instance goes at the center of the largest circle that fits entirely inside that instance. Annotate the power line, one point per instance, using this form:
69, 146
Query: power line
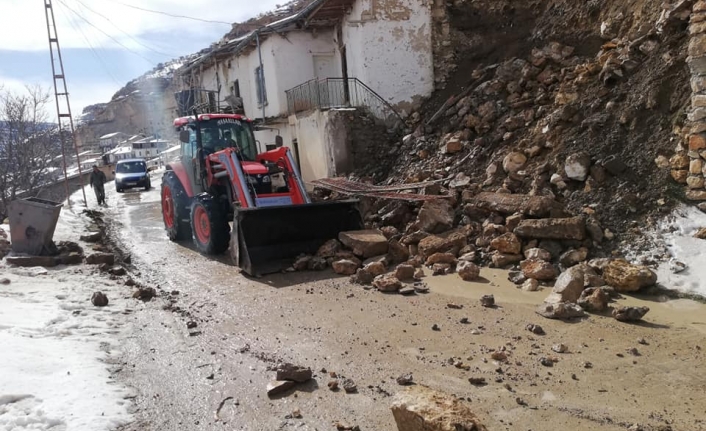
151, 62
171, 14
103, 64
127, 34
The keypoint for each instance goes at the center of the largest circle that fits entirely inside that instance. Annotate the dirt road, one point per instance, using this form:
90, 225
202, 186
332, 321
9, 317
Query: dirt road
319, 320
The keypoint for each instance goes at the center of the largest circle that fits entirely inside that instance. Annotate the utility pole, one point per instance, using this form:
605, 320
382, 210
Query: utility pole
61, 94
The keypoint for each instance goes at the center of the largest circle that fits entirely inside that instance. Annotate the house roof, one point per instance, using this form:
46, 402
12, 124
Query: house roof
111, 135
316, 13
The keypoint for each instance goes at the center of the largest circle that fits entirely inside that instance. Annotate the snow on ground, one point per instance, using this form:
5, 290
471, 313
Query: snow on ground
677, 233
54, 346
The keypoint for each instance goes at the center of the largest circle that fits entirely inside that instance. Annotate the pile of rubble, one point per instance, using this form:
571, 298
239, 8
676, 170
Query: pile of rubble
530, 235
591, 127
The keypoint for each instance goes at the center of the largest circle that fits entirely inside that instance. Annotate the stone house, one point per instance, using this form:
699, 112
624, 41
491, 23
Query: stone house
296, 75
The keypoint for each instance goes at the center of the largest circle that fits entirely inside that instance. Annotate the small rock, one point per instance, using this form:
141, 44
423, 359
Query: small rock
5, 281
468, 271
593, 300
301, 263
444, 258
117, 271
487, 301
191, 324
676, 266
546, 362
535, 329
642, 341
538, 269
99, 299
577, 166
345, 267
329, 249
560, 348
333, 385
435, 327
404, 272
145, 293
420, 287
499, 356
454, 306
405, 379
294, 373
406, 291
630, 314
296, 414
387, 283
531, 285
349, 386
441, 269
633, 351
419, 274
477, 381
276, 387
362, 276
100, 258
317, 264
562, 310
465, 320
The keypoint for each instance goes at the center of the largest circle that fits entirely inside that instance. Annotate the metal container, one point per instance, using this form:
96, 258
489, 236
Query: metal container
32, 224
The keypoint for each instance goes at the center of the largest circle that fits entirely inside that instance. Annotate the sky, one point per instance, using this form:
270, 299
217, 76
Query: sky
106, 43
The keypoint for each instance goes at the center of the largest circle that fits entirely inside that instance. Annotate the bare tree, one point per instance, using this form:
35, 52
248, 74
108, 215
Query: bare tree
29, 144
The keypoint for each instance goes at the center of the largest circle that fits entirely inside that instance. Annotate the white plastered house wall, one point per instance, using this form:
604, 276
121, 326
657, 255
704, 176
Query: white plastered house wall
388, 47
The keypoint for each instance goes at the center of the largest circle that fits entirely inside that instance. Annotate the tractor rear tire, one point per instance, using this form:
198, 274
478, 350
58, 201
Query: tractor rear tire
175, 208
209, 224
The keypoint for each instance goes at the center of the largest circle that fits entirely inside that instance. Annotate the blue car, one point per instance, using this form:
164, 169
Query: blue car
130, 174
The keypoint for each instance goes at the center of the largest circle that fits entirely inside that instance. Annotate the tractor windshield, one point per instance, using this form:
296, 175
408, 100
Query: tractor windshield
224, 133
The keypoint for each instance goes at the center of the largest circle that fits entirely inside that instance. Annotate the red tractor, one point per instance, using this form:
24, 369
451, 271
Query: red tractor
223, 179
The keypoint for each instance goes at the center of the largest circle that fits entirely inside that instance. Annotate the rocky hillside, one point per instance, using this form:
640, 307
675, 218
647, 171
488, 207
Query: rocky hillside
579, 102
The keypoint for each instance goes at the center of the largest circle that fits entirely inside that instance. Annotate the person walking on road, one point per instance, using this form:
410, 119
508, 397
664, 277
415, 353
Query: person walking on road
97, 182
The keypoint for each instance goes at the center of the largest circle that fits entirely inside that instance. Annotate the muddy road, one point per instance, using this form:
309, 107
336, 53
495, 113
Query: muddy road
244, 327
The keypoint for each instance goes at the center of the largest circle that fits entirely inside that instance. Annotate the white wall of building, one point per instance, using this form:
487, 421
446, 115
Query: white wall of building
288, 62
322, 139
389, 48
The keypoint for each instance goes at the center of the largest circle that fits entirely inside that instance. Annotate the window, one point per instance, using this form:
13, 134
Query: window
235, 88
261, 87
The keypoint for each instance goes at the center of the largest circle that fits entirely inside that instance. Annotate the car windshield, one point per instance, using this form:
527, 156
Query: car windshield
131, 168
229, 133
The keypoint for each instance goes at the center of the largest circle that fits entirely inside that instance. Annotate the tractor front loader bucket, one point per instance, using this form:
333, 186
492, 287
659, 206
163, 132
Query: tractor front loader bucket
267, 239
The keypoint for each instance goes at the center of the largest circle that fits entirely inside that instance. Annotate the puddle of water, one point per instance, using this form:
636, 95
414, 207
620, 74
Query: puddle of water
492, 282
673, 313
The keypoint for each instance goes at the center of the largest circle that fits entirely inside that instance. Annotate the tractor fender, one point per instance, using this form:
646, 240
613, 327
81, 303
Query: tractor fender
180, 171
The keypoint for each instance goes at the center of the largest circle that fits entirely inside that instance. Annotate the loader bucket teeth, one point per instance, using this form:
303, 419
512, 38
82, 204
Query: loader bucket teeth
266, 240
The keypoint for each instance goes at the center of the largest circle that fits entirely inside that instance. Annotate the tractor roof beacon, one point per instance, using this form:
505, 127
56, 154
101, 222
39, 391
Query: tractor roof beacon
222, 177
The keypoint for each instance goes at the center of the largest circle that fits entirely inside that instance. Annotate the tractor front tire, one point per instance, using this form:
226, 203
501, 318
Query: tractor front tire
175, 208
209, 225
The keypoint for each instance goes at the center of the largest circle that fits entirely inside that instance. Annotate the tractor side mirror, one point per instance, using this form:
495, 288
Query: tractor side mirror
279, 141
184, 136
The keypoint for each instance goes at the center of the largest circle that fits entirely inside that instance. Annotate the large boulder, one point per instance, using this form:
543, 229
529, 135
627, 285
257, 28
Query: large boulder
538, 253
404, 272
568, 286
507, 243
553, 228
436, 216
451, 242
449, 258
573, 257
397, 252
365, 243
626, 277
420, 408
502, 260
538, 269
503, 203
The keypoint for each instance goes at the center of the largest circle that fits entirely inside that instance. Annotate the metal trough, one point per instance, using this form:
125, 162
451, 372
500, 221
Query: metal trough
32, 225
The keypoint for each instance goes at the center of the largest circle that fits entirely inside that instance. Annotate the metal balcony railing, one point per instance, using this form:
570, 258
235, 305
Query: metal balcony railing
331, 93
